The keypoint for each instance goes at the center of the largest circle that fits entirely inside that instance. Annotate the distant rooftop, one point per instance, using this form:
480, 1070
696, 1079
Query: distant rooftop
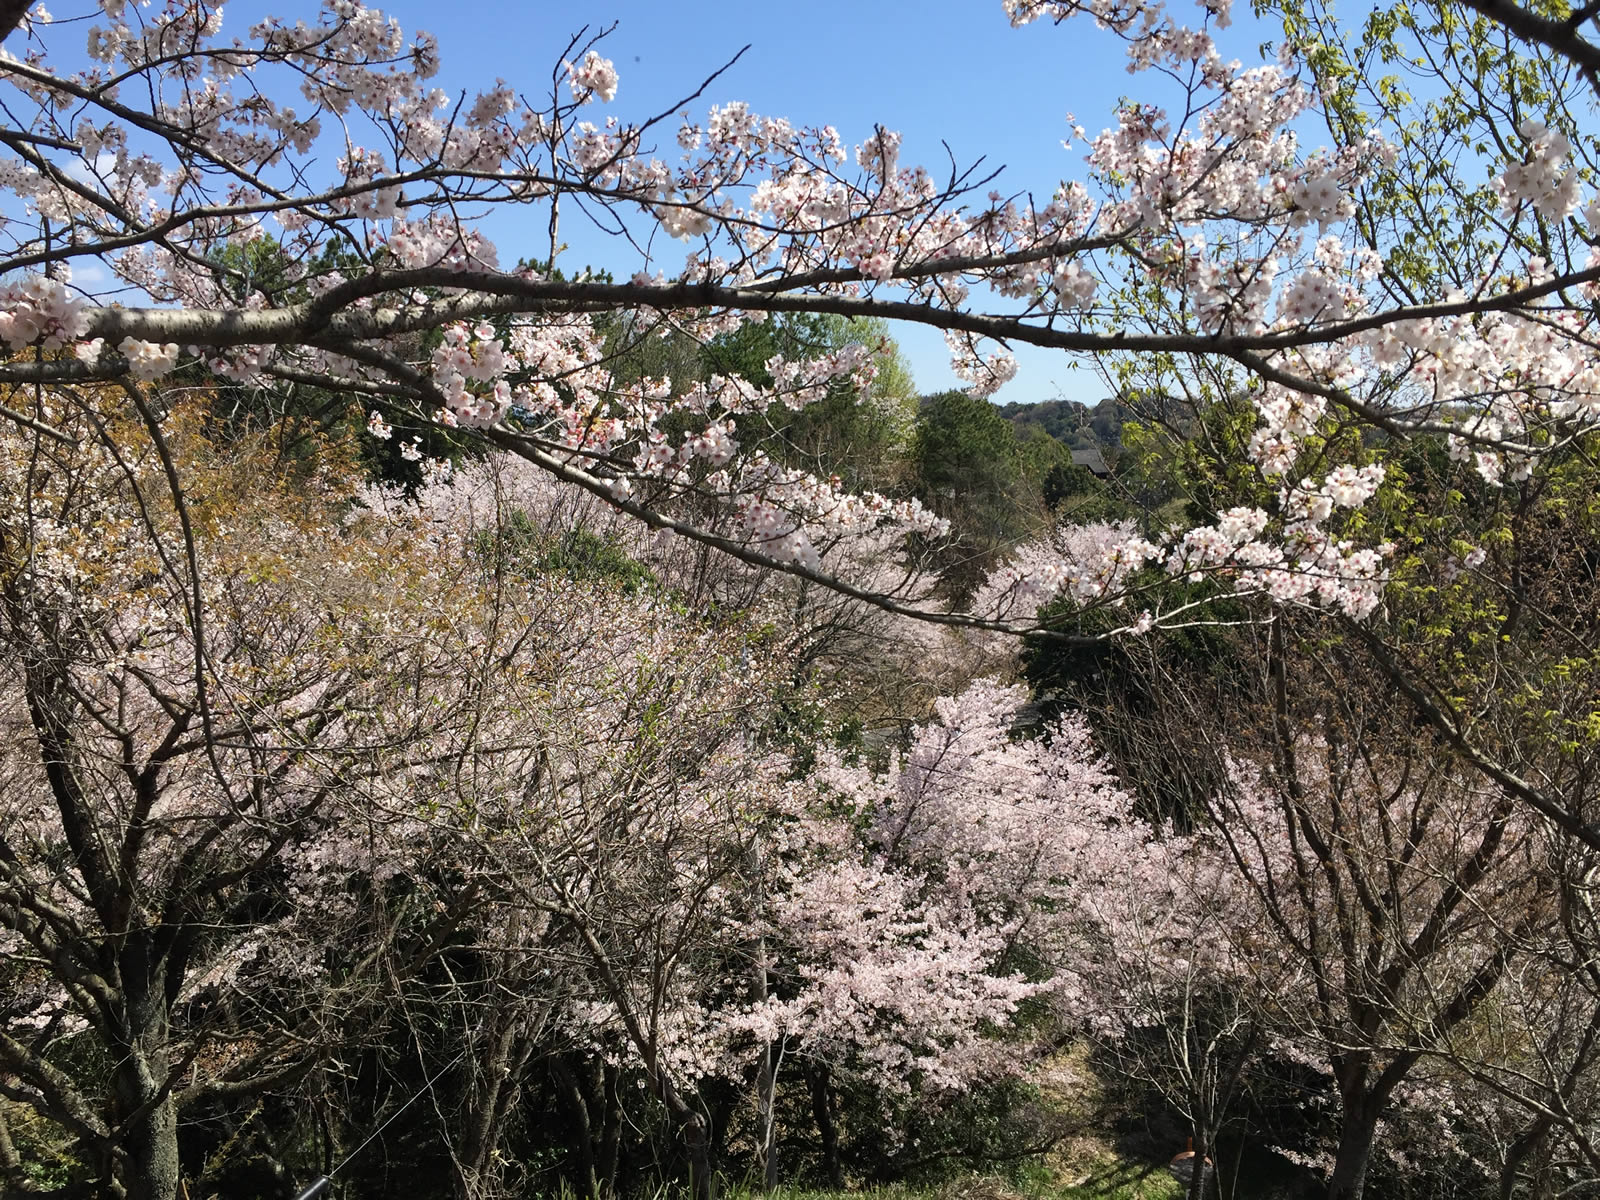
1093, 460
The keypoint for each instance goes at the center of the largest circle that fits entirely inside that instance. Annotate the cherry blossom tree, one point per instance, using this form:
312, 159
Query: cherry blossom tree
247, 834
1376, 903
735, 915
872, 925
668, 894
1020, 841
203, 776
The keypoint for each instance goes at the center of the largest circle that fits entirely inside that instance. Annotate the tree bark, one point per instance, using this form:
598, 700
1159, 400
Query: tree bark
1199, 1177
702, 1174
11, 14
767, 1068
827, 1131
588, 1173
610, 1129
691, 1122
1349, 1176
486, 1107
1527, 1143
767, 1087
10, 1160
148, 1116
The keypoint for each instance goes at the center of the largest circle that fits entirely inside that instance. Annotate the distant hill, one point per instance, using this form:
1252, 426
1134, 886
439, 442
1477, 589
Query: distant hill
1080, 427
1073, 424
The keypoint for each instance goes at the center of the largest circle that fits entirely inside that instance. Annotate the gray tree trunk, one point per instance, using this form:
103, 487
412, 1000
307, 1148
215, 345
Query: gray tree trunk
1350, 1162
144, 1103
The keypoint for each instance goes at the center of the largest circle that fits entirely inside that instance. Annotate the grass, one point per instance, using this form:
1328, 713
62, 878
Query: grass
1119, 1179
1084, 1173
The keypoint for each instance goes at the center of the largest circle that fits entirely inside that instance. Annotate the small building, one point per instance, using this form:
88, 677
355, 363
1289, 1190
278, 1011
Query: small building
1093, 461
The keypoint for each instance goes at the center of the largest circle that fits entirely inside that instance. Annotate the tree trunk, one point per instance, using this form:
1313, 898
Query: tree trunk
10, 1160
486, 1108
610, 1129
1199, 1177
766, 1071
149, 1119
1527, 1143
1350, 1161
588, 1174
702, 1175
822, 1111
766, 1115
696, 1138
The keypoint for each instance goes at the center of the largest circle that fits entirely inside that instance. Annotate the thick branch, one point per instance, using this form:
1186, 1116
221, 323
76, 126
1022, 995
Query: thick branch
491, 295
11, 14
1560, 36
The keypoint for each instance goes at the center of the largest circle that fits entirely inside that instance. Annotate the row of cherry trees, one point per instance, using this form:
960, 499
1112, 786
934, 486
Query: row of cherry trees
1383, 923
242, 828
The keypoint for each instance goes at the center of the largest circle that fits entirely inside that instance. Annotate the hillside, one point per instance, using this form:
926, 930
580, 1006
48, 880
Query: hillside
1076, 425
